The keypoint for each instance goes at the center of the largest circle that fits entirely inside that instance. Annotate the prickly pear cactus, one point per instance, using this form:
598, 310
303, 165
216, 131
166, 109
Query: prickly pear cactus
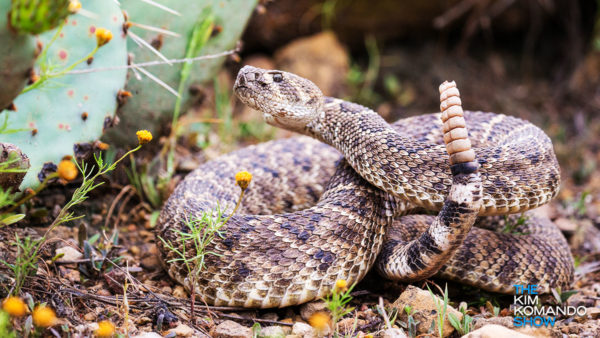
17, 55
151, 105
37, 16
70, 110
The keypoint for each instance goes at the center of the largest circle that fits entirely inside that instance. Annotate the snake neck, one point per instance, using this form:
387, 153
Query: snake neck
385, 158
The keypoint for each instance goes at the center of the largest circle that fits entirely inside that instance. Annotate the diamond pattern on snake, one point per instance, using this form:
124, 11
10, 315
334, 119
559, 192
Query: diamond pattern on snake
348, 196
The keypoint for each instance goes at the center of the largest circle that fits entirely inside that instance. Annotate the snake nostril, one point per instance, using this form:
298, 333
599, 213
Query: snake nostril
242, 80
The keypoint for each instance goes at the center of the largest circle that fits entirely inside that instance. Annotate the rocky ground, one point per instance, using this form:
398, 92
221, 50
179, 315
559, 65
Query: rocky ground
122, 280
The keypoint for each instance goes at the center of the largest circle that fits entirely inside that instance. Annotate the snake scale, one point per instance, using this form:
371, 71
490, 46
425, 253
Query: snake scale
346, 197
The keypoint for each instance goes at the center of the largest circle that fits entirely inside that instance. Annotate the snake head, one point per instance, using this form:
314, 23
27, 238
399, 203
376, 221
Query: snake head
286, 100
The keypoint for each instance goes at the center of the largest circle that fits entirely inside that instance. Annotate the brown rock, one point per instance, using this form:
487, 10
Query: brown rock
148, 335
320, 58
231, 329
150, 258
502, 321
69, 254
180, 292
565, 224
304, 330
495, 331
593, 312
310, 308
424, 310
393, 333
260, 61
182, 330
272, 332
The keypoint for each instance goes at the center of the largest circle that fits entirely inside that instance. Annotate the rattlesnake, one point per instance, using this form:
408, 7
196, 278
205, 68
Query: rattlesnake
311, 216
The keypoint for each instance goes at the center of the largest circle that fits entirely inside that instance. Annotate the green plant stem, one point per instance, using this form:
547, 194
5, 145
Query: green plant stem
236, 206
45, 76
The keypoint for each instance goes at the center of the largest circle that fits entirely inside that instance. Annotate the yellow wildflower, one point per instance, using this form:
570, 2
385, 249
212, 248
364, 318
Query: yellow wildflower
67, 170
74, 6
341, 285
242, 179
369, 336
144, 136
44, 316
320, 320
105, 329
14, 306
103, 36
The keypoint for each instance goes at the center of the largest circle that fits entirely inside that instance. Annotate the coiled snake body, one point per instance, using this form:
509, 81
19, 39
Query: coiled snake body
312, 216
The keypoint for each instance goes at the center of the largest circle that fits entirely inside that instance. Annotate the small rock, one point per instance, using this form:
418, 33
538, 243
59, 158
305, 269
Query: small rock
135, 250
270, 316
308, 309
90, 316
103, 292
424, 310
565, 224
495, 331
272, 332
593, 312
69, 254
320, 58
148, 335
304, 330
231, 329
73, 276
393, 333
182, 330
502, 321
179, 292
150, 259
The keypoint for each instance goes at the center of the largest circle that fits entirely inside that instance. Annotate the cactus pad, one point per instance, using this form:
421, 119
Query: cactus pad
72, 109
151, 105
17, 55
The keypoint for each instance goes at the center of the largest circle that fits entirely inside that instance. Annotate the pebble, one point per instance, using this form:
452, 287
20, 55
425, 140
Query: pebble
272, 332
310, 308
495, 331
182, 330
231, 329
424, 310
304, 330
69, 254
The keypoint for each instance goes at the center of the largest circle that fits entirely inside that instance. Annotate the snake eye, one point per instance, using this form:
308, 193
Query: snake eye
277, 77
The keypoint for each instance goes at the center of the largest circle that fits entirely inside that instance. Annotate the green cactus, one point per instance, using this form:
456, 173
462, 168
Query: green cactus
17, 55
37, 16
67, 111
151, 105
